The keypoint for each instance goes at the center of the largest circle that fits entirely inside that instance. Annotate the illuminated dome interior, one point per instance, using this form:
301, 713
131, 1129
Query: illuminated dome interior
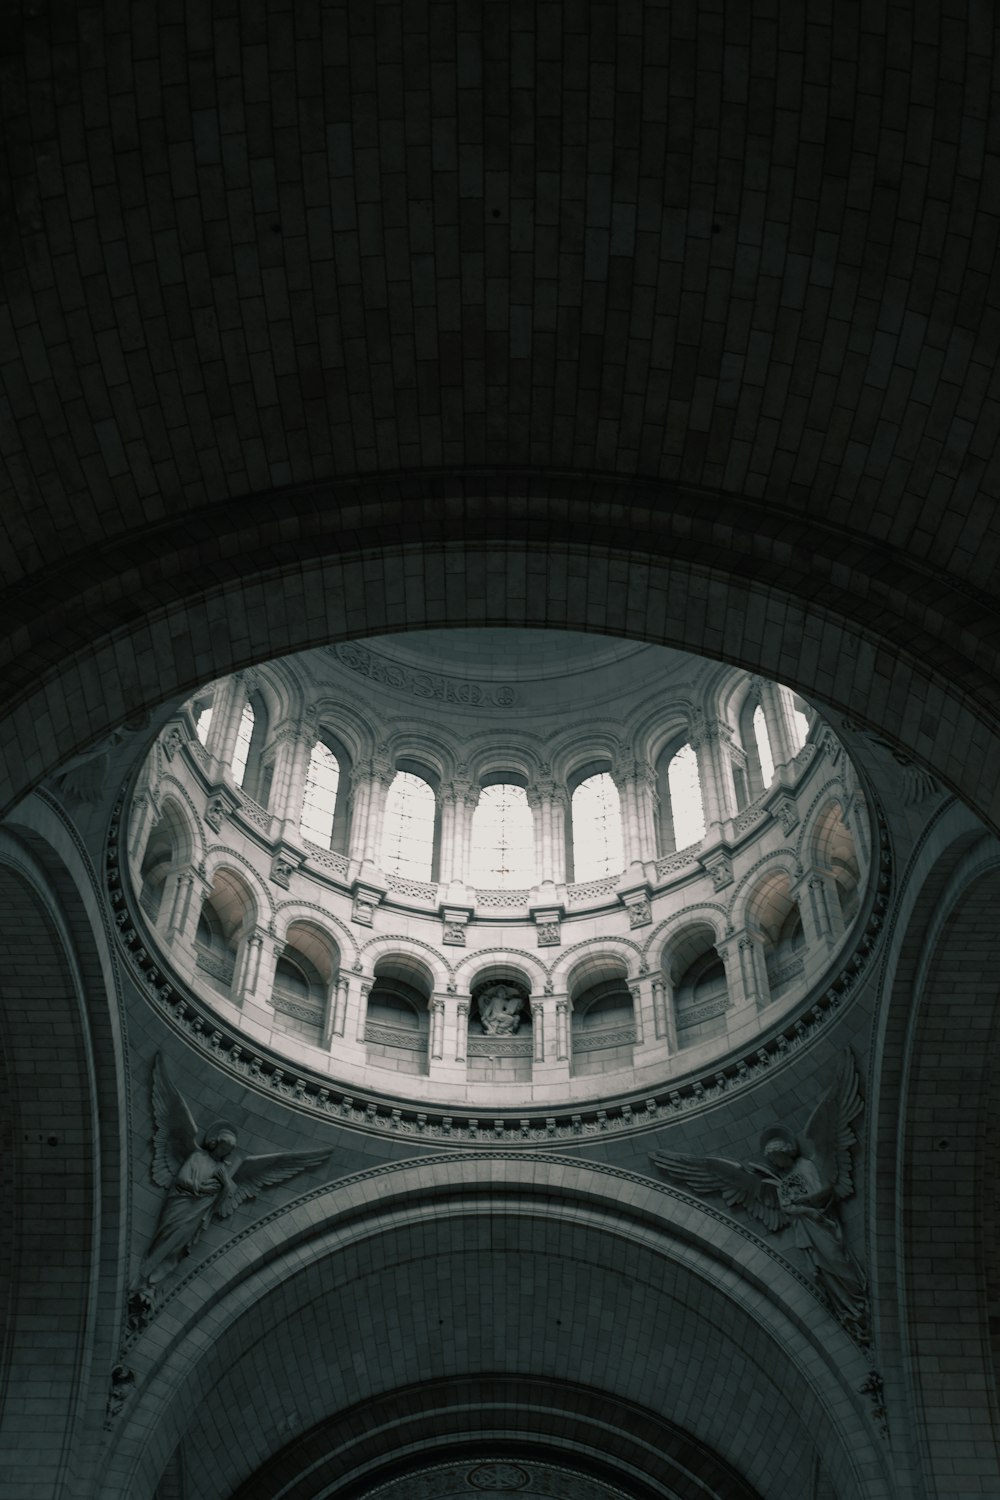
503, 868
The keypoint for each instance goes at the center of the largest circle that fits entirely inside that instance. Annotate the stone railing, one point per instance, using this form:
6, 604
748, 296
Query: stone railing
420, 890
753, 813
786, 974
254, 813
296, 1008
682, 859
395, 1036
501, 900
215, 964
589, 890
326, 859
499, 1046
596, 1041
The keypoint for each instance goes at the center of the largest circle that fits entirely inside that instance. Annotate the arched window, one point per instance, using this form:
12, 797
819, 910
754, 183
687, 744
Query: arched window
763, 741
686, 807
319, 802
408, 831
244, 736
597, 828
503, 839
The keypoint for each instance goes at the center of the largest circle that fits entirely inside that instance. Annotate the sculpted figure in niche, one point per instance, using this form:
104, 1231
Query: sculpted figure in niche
800, 1187
501, 1008
201, 1184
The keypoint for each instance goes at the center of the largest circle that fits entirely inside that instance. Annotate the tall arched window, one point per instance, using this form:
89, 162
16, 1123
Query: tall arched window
319, 802
503, 839
597, 828
408, 831
763, 740
244, 735
686, 805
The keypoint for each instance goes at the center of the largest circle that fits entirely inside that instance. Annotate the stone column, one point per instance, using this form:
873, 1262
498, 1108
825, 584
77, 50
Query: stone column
436, 1037
465, 809
142, 818
253, 974
776, 701
449, 825
711, 740
357, 1010
548, 801
228, 701
288, 786
336, 1010
625, 772
635, 990
538, 1030
647, 812
820, 910
462, 1030
562, 1029
664, 1011
458, 800
180, 905
742, 956
370, 782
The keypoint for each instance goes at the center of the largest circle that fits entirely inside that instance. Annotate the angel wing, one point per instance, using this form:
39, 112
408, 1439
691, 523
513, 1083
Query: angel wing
739, 1186
175, 1134
255, 1173
828, 1137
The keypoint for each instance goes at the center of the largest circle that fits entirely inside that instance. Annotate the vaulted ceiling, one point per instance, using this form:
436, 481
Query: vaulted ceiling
716, 289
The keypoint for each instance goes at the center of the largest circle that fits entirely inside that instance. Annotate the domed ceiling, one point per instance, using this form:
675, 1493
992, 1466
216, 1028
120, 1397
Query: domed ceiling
678, 866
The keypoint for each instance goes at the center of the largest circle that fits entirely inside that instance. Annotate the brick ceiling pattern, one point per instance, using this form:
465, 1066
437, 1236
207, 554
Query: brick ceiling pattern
252, 245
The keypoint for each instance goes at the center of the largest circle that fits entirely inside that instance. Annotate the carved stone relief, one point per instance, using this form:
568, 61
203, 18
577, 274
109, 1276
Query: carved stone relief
501, 1008
799, 1186
433, 686
193, 1166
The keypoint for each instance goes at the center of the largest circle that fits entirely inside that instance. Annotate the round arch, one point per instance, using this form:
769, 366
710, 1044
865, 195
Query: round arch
679, 1284
347, 566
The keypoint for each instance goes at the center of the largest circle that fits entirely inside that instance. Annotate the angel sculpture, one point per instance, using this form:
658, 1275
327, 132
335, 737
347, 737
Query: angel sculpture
800, 1186
200, 1183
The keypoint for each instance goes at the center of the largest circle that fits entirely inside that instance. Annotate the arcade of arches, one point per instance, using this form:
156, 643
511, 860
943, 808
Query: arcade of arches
498, 739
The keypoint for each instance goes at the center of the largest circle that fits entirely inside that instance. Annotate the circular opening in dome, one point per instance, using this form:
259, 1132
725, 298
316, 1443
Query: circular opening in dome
503, 868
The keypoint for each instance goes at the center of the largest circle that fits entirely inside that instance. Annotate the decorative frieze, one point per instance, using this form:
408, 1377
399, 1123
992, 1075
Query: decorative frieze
597, 1041
431, 686
499, 1046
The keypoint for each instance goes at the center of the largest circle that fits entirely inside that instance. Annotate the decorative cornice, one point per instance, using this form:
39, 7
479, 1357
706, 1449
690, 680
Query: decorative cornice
433, 687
